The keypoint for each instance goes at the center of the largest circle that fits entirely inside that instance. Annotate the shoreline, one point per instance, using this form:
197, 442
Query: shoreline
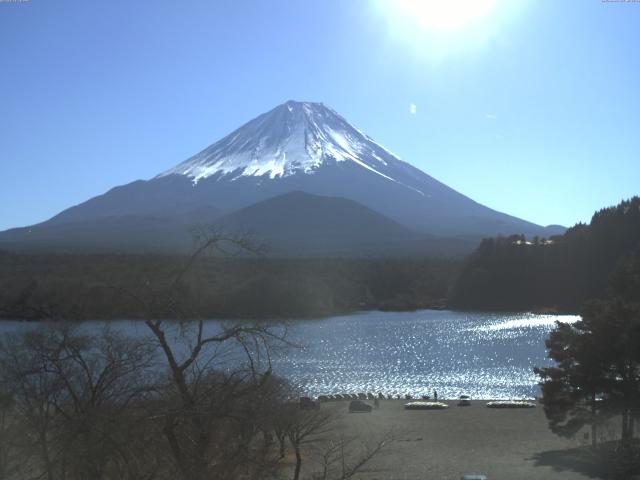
312, 316
445, 444
453, 401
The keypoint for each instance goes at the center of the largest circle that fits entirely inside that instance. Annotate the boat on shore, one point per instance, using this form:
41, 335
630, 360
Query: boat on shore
511, 404
425, 406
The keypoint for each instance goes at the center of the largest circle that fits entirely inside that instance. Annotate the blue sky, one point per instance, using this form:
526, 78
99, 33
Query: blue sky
533, 109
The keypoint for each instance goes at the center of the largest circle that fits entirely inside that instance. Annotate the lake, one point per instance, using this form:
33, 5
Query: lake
485, 355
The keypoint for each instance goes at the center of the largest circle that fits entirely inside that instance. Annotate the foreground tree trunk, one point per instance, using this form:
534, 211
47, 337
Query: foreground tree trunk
594, 427
296, 473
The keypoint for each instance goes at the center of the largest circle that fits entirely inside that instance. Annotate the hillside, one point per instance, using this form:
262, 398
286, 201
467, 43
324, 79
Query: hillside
509, 273
301, 224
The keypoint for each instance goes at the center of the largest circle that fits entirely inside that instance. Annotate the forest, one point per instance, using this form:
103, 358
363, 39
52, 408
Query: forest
77, 287
594, 382
555, 274
180, 401
511, 273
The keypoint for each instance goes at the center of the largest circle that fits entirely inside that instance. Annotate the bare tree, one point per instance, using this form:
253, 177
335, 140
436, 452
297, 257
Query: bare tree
213, 370
317, 435
191, 399
306, 427
75, 397
344, 457
8, 461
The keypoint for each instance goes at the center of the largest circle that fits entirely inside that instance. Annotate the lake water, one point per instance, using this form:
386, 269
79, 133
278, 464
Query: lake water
480, 354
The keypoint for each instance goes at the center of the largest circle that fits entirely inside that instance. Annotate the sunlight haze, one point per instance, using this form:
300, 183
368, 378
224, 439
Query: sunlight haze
530, 108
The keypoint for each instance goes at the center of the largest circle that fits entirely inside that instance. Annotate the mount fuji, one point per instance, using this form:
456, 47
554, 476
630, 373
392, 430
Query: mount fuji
321, 168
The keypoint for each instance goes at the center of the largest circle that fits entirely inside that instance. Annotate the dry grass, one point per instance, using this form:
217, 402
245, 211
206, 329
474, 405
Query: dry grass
500, 443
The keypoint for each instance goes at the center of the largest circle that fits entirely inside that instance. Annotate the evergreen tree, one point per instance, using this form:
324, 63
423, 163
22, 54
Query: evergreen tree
506, 273
597, 371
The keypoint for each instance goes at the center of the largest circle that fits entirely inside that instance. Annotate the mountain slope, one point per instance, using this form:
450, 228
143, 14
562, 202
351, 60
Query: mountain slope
298, 223
130, 233
297, 146
293, 224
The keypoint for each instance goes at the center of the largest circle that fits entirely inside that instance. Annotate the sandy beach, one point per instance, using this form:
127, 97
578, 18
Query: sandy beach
445, 444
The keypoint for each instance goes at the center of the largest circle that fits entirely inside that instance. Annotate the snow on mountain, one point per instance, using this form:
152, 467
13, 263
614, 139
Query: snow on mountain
296, 147
293, 138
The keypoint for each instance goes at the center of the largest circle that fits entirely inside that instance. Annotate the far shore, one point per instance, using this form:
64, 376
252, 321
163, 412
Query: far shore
312, 315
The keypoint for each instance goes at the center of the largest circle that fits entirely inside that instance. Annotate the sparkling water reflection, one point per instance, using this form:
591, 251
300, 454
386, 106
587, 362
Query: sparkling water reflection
479, 354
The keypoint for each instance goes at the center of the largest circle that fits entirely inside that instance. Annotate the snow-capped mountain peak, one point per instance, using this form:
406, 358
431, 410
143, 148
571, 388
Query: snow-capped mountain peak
293, 138
294, 151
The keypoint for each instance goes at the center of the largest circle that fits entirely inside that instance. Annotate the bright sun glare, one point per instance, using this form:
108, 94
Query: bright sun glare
435, 29
445, 14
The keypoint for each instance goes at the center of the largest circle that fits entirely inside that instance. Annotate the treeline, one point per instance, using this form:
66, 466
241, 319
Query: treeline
109, 286
595, 379
178, 399
559, 273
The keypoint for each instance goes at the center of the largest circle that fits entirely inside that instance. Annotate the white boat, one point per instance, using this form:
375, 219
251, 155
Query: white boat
511, 404
425, 406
